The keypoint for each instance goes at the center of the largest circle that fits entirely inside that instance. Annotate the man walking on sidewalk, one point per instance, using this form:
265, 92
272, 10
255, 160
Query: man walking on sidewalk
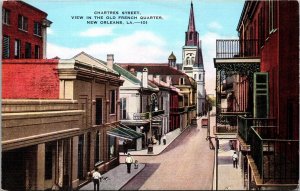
128, 161
235, 159
96, 179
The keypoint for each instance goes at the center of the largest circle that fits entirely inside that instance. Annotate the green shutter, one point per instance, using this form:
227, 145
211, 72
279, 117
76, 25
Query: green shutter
261, 95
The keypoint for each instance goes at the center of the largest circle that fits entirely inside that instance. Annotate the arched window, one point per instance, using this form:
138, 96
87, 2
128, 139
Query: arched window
187, 60
191, 36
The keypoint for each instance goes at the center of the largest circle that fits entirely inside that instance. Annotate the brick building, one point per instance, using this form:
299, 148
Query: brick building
24, 30
261, 75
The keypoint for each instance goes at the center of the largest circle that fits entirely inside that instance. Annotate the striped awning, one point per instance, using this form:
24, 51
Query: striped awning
124, 132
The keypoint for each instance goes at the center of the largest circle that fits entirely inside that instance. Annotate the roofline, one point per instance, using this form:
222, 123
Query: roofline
27, 4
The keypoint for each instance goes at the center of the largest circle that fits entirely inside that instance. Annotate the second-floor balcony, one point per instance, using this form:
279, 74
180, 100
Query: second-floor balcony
274, 161
245, 123
232, 48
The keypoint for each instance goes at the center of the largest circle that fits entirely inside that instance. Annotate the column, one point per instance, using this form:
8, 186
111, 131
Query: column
40, 175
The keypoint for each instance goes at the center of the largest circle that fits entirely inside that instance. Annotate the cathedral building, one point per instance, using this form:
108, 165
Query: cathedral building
192, 61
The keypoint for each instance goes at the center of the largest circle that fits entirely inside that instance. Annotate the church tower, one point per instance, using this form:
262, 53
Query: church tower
192, 61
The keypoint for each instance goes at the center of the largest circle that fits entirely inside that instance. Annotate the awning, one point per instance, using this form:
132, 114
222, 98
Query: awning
124, 133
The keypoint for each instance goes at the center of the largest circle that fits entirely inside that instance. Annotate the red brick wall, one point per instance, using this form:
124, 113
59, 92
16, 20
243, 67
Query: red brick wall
30, 78
11, 30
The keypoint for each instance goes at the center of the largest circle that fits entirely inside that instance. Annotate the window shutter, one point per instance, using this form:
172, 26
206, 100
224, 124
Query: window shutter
261, 95
5, 47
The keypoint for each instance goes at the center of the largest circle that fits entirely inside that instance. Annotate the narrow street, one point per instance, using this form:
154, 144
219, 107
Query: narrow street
186, 164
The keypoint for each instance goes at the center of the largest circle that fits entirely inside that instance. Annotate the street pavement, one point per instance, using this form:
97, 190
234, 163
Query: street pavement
186, 164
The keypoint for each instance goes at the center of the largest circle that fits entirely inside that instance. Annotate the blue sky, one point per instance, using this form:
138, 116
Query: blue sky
151, 42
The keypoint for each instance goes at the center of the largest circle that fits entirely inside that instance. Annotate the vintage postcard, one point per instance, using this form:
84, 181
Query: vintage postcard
150, 95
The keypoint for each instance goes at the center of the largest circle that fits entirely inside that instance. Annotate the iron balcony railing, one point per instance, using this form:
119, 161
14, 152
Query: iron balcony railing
277, 160
237, 48
226, 123
245, 123
177, 110
156, 113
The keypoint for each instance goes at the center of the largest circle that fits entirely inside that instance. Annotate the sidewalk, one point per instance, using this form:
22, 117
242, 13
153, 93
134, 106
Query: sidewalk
157, 149
116, 178
229, 178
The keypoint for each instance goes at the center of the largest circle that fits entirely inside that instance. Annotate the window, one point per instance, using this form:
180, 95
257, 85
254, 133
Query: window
5, 16
272, 15
181, 82
97, 147
6, 49
17, 48
36, 51
199, 76
27, 50
111, 149
37, 29
187, 60
112, 101
123, 108
98, 111
195, 76
191, 36
22, 23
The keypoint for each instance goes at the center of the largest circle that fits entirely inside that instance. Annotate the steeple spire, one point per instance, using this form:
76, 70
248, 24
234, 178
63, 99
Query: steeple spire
191, 36
192, 26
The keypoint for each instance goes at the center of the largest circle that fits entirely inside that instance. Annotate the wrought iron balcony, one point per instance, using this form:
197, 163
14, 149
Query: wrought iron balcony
277, 160
177, 110
245, 123
226, 123
156, 113
237, 48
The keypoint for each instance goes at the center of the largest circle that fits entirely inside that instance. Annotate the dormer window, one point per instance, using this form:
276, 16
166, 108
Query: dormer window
181, 81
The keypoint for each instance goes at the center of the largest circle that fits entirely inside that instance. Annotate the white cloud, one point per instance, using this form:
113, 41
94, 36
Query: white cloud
215, 26
141, 46
209, 53
96, 32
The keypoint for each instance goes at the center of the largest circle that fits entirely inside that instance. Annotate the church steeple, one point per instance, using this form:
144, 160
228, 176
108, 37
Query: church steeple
191, 36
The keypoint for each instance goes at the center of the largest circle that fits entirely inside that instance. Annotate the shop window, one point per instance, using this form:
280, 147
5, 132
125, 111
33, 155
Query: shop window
22, 23
112, 102
6, 49
5, 16
112, 147
97, 147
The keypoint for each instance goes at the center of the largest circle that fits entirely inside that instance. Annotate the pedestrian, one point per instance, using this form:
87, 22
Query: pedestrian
96, 179
159, 139
129, 160
165, 139
125, 146
235, 159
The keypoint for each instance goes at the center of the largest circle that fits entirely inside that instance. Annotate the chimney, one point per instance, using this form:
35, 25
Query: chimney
145, 78
110, 61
